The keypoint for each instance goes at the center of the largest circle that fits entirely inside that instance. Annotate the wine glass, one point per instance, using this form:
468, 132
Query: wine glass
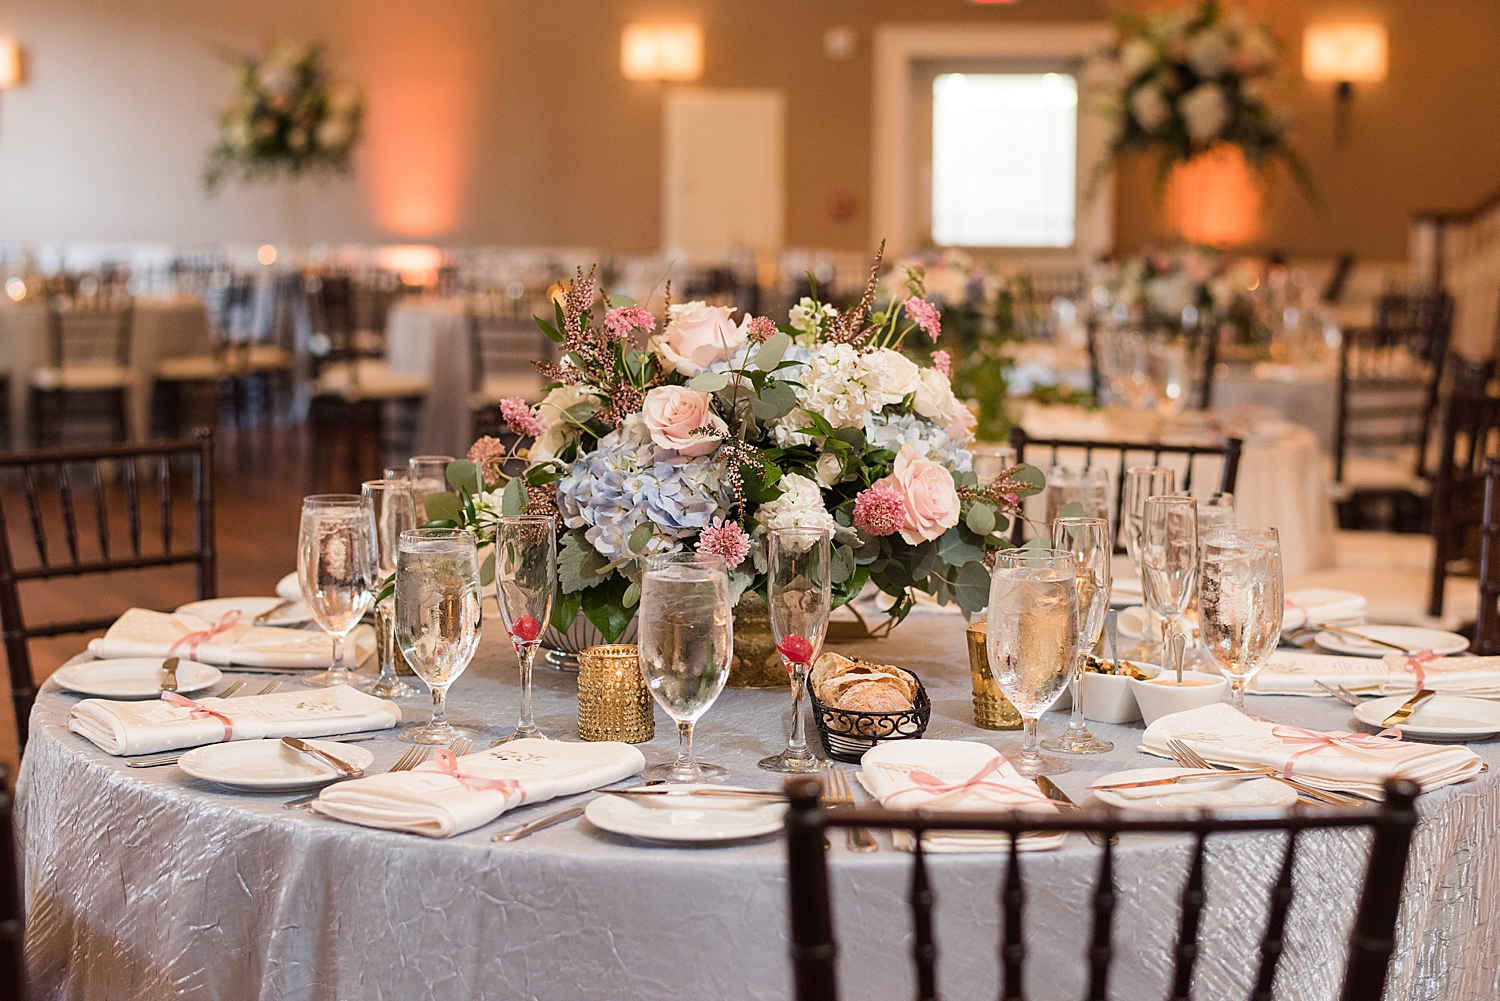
437, 619
394, 511
799, 593
1169, 559
428, 475
335, 568
1033, 640
992, 460
1240, 602
1088, 539
525, 585
1142, 482
686, 639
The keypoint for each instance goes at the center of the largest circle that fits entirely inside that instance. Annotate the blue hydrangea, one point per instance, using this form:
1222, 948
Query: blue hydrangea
891, 430
628, 481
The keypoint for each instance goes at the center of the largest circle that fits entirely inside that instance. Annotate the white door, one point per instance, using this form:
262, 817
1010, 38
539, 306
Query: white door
723, 177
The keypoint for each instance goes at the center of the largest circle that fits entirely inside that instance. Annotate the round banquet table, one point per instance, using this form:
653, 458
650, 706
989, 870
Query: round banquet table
148, 883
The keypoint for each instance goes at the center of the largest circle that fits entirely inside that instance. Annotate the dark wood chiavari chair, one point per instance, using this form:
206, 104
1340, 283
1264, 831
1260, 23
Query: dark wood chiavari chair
88, 377
74, 471
1487, 625
814, 947
1469, 436
504, 341
12, 914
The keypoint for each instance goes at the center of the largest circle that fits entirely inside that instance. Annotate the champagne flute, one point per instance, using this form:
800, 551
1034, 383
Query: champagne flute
686, 640
1033, 640
1169, 559
1240, 600
1087, 487
335, 567
1214, 512
428, 475
799, 593
1088, 539
525, 585
1142, 482
437, 619
393, 511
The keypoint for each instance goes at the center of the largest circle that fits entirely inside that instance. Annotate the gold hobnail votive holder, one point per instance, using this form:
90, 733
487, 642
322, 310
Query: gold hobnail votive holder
992, 710
613, 700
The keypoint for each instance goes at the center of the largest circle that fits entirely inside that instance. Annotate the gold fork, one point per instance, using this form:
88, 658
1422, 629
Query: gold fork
231, 689
270, 689
837, 792
1189, 758
461, 746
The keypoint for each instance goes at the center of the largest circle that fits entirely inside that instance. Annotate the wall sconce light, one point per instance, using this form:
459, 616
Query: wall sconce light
661, 52
1345, 54
10, 62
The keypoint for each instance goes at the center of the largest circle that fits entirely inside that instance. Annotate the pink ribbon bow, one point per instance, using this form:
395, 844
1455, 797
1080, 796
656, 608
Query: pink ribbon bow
1414, 664
226, 622
447, 763
929, 783
1316, 741
200, 711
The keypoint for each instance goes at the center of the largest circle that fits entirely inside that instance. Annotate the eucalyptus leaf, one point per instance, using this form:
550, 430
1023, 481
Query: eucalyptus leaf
775, 400
1072, 509
841, 567
443, 506
640, 537
955, 551
464, 475
1030, 479
619, 301
709, 382
632, 595
971, 587
513, 498
487, 570
769, 355
981, 519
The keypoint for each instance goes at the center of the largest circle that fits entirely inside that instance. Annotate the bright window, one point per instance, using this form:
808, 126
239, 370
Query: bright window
1004, 159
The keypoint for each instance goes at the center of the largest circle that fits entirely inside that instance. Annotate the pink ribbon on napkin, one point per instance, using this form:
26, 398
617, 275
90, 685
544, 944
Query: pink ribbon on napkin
201, 711
447, 763
1316, 741
1414, 664
226, 622
927, 782
1288, 605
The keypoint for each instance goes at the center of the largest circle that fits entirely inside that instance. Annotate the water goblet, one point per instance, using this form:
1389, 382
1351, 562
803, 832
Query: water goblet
525, 585
437, 619
1087, 487
1088, 539
393, 511
686, 640
428, 475
1169, 560
1240, 602
992, 460
1142, 482
336, 571
799, 593
1033, 640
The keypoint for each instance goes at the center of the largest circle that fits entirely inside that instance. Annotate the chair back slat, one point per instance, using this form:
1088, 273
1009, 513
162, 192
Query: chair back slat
101, 517
1487, 628
1012, 899
164, 501
1187, 934
1469, 435
1374, 937
38, 534
70, 519
812, 949
1104, 912
132, 504
89, 337
924, 951
1273, 943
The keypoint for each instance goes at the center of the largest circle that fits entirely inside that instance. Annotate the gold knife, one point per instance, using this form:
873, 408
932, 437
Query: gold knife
1244, 773
706, 791
1408, 707
1054, 792
265, 616
340, 765
169, 683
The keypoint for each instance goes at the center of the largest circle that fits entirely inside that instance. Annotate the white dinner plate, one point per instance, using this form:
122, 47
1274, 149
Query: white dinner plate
1410, 637
1126, 589
1197, 794
686, 818
269, 764
289, 587
133, 677
213, 609
1442, 717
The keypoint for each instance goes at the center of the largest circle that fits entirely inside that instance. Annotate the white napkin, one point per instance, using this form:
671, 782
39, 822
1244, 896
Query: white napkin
1291, 673
289, 588
141, 632
429, 801
1315, 606
145, 727
994, 784
1227, 737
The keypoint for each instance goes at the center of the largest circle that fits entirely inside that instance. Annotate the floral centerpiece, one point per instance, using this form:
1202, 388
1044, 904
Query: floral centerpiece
696, 431
289, 115
1179, 287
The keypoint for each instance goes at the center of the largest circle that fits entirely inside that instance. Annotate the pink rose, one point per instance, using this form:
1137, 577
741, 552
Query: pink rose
961, 422
927, 491
673, 412
697, 335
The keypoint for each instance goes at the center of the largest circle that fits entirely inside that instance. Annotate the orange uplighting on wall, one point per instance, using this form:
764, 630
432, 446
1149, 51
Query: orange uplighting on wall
661, 52
416, 265
1214, 198
1344, 53
10, 62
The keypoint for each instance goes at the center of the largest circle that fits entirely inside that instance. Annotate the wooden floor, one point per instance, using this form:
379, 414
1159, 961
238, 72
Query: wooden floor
260, 482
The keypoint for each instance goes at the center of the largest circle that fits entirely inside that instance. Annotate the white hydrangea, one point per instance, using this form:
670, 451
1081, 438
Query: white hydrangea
834, 387
889, 374
807, 317
799, 506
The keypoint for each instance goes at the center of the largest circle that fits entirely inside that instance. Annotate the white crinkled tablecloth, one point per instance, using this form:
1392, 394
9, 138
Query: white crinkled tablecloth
147, 883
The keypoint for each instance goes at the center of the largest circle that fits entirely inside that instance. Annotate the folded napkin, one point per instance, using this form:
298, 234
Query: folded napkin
141, 632
1315, 606
1337, 761
449, 795
144, 727
957, 776
1291, 673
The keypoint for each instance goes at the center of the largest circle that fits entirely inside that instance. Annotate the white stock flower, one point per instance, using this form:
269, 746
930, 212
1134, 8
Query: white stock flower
1208, 54
830, 469
1205, 111
808, 318
889, 374
1257, 49
572, 401
799, 506
1149, 107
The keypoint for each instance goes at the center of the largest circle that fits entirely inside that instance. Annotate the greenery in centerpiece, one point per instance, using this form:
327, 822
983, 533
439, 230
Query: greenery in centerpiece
715, 431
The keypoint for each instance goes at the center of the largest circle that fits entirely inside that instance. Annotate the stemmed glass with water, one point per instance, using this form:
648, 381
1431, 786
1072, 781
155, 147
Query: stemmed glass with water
428, 475
393, 511
1141, 484
336, 569
1240, 602
799, 593
525, 585
1169, 560
438, 619
1033, 640
1088, 539
686, 641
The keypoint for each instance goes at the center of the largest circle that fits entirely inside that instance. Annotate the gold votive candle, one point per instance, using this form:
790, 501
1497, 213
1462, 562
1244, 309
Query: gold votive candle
992, 710
613, 700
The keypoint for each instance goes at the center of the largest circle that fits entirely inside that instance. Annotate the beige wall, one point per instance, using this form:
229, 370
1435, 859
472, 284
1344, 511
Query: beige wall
505, 121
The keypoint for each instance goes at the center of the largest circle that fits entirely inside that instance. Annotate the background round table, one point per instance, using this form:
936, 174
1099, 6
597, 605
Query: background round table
148, 883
